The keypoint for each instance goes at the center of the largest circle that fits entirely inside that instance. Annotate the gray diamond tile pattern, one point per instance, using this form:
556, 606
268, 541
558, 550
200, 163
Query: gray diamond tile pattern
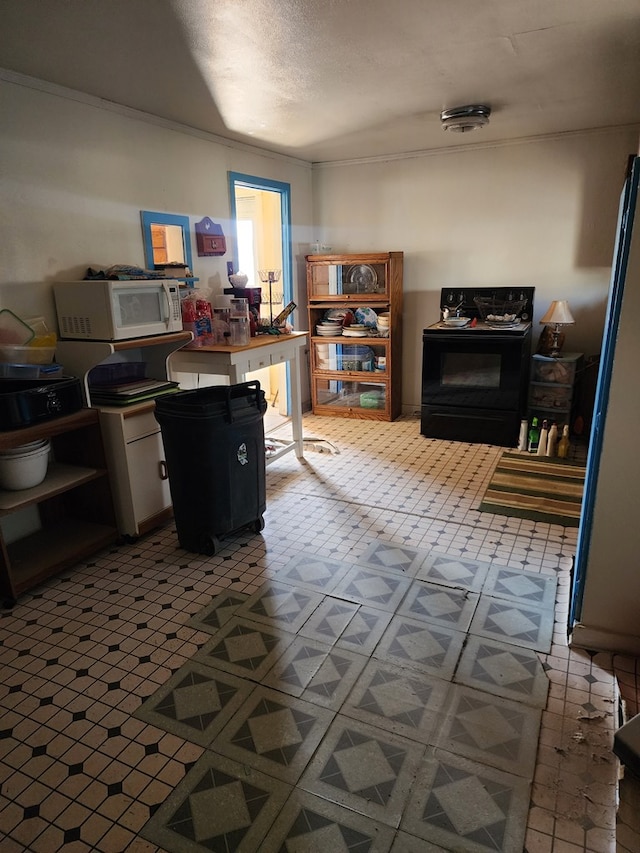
281, 604
509, 671
463, 805
521, 587
451, 608
351, 684
453, 571
491, 730
382, 590
513, 622
397, 700
312, 571
244, 648
275, 733
364, 768
427, 648
196, 702
390, 557
368, 674
219, 805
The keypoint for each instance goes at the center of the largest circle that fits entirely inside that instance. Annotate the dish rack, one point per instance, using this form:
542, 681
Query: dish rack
502, 312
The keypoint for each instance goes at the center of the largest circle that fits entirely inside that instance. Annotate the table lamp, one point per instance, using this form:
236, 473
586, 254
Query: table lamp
557, 315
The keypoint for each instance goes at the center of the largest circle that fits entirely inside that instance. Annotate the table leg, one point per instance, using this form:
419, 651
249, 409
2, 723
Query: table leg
296, 404
236, 376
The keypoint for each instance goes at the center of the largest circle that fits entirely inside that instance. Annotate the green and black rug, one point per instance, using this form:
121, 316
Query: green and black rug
539, 488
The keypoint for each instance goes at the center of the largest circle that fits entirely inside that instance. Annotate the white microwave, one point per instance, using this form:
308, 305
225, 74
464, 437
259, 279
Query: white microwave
117, 310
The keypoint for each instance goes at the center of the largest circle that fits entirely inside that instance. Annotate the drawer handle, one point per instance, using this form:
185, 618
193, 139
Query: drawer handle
162, 468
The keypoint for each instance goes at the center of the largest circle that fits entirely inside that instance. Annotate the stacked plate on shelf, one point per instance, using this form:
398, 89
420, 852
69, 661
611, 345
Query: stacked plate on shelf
329, 328
356, 330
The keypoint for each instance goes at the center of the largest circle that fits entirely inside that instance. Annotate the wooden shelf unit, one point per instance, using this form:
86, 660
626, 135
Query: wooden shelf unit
371, 280
74, 503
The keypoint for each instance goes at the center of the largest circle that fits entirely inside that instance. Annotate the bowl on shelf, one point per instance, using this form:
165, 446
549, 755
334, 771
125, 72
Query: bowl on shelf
26, 469
456, 322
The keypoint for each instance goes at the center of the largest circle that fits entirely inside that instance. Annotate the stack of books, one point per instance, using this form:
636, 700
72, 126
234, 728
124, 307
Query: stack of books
128, 393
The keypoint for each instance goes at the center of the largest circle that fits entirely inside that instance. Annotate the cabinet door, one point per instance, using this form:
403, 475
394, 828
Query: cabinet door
366, 358
337, 281
149, 492
340, 396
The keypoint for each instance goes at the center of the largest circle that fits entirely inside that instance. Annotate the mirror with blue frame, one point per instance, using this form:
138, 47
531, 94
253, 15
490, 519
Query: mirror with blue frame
166, 240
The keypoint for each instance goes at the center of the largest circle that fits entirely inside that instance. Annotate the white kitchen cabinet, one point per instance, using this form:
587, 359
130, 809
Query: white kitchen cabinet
131, 434
135, 454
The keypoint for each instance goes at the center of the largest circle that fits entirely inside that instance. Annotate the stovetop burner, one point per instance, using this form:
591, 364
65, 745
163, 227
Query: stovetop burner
480, 327
460, 301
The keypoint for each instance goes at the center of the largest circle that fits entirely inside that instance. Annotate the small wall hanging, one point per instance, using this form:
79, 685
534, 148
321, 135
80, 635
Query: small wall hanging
210, 239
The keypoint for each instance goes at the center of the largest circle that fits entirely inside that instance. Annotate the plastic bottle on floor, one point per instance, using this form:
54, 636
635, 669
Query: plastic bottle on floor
524, 431
552, 440
542, 441
564, 443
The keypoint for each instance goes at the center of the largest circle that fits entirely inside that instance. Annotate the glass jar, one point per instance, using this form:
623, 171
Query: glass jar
240, 334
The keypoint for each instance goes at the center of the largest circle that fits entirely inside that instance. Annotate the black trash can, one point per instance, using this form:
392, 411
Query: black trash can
214, 449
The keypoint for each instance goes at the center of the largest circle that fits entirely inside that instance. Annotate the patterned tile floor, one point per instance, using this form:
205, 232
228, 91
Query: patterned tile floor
384, 668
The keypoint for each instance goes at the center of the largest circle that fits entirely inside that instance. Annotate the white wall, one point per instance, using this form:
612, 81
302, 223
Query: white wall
536, 213
75, 177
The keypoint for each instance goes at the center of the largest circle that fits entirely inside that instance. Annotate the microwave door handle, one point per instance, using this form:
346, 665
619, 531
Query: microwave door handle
167, 304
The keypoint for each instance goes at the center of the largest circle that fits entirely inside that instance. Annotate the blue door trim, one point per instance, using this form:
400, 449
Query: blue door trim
626, 216
238, 179
284, 189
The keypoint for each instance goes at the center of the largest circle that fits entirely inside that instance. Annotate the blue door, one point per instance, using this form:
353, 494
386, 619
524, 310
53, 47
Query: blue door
618, 274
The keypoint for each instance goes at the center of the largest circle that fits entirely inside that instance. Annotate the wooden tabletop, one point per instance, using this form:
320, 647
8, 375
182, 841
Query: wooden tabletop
254, 343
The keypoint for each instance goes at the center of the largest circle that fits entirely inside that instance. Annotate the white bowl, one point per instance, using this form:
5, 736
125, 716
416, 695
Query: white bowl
23, 449
24, 471
456, 321
238, 279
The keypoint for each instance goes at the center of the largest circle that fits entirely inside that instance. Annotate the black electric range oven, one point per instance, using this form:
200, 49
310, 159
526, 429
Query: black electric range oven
475, 376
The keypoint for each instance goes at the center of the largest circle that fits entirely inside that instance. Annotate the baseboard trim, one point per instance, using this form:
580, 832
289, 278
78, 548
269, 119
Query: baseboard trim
597, 639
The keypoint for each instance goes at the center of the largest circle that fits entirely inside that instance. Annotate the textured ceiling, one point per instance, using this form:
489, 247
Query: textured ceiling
325, 80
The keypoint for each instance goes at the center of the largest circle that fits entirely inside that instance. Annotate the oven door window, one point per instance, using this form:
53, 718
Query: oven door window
464, 370
484, 373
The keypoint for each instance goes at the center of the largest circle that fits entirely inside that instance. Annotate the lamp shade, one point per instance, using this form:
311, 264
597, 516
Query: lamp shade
558, 314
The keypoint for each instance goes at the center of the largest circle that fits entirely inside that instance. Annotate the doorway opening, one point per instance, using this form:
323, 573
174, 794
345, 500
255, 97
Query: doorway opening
261, 217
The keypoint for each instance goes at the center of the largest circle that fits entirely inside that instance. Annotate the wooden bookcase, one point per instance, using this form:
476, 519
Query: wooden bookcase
356, 377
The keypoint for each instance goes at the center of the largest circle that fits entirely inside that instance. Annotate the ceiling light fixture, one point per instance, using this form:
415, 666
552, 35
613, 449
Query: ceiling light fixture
463, 119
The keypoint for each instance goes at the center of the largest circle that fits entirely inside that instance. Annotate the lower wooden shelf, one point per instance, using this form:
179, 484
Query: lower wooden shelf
47, 552
67, 517
59, 479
